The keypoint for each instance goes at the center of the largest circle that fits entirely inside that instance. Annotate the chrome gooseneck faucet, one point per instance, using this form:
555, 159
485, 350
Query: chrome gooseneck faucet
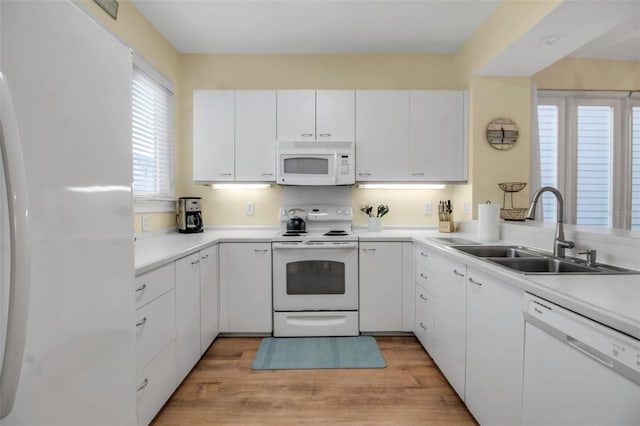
560, 244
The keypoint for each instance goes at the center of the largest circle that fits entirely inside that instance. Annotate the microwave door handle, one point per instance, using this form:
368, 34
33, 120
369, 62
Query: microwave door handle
336, 167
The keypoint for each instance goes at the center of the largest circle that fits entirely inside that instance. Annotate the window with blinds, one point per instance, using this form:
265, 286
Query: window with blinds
635, 168
548, 134
593, 181
152, 118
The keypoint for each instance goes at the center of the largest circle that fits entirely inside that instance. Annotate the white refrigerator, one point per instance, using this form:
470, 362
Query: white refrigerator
66, 228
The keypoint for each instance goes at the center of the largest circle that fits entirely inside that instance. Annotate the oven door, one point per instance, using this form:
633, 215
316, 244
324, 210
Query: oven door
315, 276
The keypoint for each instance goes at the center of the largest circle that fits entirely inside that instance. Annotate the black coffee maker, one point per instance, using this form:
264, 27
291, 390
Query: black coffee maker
189, 215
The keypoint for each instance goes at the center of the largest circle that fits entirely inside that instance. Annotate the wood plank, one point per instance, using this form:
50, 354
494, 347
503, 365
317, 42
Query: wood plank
222, 389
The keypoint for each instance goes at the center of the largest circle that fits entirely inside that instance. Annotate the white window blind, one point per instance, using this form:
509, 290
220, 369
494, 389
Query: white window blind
152, 109
635, 168
548, 134
594, 129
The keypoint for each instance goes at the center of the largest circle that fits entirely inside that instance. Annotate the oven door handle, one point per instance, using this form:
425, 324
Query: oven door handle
311, 246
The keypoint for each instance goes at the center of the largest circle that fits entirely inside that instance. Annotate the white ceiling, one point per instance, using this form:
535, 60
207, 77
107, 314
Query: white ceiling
317, 26
354, 26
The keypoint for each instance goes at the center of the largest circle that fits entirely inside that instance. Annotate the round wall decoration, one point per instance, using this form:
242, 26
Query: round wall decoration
502, 133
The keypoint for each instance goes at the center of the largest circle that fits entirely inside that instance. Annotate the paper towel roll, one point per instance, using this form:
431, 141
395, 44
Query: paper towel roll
489, 222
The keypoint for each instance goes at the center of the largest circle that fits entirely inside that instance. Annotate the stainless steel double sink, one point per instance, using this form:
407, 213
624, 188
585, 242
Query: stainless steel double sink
532, 261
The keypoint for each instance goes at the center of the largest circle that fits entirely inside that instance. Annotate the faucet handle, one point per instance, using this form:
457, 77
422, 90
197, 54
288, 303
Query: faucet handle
591, 256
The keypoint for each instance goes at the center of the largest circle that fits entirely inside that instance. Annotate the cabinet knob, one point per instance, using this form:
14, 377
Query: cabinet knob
306, 135
460, 274
472, 281
325, 135
143, 385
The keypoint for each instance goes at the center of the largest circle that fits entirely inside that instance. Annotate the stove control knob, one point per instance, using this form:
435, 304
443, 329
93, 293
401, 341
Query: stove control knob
339, 211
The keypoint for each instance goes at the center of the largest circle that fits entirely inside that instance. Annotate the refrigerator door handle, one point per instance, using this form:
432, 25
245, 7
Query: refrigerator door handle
17, 202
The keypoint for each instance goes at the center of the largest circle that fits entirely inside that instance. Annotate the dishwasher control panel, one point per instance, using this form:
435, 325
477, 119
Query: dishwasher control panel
604, 344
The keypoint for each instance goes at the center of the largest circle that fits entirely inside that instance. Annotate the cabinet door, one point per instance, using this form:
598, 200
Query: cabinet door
213, 135
208, 296
450, 319
245, 288
382, 135
255, 135
335, 115
380, 286
296, 115
187, 313
437, 148
495, 341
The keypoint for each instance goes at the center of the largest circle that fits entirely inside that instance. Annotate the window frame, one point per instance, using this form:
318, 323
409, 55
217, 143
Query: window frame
567, 103
159, 204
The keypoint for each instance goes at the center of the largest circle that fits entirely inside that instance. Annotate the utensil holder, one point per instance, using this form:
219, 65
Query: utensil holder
446, 226
375, 224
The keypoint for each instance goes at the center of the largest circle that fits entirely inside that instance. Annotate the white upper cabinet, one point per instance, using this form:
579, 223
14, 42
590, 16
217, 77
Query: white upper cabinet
234, 135
437, 146
213, 135
382, 135
255, 135
404, 136
310, 115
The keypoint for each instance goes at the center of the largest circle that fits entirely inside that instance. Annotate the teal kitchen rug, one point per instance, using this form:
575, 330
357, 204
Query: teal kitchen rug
297, 353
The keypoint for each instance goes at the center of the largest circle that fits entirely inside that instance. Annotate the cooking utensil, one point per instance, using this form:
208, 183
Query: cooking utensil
367, 209
382, 210
296, 220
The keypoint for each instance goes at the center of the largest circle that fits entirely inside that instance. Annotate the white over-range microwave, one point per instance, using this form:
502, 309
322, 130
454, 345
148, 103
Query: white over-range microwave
315, 163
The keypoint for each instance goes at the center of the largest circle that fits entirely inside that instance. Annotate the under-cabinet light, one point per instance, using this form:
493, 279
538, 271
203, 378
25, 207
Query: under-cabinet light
240, 185
401, 186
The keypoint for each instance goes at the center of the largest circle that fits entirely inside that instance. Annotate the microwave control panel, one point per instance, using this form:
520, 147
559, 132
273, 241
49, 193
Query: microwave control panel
344, 165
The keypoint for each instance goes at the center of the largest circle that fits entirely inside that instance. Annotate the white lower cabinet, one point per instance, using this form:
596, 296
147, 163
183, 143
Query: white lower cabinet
245, 288
209, 287
495, 342
380, 286
155, 384
424, 318
155, 334
187, 313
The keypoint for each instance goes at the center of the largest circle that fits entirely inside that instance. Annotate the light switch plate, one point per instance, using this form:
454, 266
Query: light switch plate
251, 208
145, 223
427, 208
467, 209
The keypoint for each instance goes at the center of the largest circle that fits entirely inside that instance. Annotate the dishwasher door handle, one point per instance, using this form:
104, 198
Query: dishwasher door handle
589, 351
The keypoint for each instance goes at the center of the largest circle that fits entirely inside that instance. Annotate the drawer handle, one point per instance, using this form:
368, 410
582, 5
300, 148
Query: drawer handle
195, 262
424, 254
141, 288
144, 385
260, 250
472, 281
418, 174
364, 174
368, 250
324, 135
266, 174
422, 325
306, 135
455, 271
142, 322
423, 276
226, 174
423, 298
206, 256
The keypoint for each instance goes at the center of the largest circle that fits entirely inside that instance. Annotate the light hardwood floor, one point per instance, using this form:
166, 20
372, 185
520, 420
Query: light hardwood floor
222, 389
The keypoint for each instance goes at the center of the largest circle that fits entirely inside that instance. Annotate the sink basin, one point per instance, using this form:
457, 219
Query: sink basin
543, 265
498, 251
454, 240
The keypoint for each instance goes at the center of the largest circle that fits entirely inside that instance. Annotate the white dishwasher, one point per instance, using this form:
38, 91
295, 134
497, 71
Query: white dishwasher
577, 371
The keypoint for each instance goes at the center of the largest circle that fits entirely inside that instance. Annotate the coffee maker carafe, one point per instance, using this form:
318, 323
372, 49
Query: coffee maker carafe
189, 215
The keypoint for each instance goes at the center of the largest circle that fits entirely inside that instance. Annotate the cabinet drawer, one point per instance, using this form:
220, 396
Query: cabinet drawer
155, 328
152, 284
424, 318
155, 384
424, 277
423, 257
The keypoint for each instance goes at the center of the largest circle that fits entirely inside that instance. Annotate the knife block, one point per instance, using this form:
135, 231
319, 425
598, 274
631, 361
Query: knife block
446, 226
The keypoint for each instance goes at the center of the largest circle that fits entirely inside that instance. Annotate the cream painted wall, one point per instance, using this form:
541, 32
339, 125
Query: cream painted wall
227, 207
133, 29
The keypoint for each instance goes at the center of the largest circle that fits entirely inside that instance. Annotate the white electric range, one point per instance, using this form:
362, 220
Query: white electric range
315, 274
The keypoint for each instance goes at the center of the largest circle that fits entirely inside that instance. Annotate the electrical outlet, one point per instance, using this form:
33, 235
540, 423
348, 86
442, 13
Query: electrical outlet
466, 209
251, 208
145, 223
427, 208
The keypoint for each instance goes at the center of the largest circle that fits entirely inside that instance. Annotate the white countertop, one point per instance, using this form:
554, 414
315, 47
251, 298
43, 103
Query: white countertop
613, 300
